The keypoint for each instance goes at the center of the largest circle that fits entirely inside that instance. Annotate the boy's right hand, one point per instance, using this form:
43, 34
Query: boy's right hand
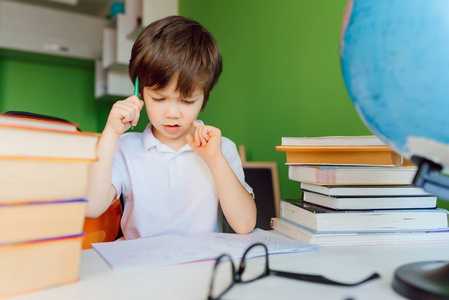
124, 114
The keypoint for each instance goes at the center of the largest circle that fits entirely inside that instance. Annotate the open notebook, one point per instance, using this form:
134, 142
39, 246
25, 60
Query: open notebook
176, 249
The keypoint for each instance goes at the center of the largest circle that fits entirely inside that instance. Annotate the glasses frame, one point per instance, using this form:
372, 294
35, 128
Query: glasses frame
237, 275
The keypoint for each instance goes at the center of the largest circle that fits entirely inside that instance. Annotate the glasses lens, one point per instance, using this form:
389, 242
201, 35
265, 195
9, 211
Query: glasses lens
255, 263
222, 277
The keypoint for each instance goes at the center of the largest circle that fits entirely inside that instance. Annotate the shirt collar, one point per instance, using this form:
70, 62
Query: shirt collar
149, 140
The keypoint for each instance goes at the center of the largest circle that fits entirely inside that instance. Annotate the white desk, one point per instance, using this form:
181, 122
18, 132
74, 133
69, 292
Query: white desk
191, 281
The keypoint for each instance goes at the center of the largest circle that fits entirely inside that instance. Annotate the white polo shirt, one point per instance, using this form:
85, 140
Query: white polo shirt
166, 191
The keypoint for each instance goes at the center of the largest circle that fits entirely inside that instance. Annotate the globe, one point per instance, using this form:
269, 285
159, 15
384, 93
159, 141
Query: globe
395, 64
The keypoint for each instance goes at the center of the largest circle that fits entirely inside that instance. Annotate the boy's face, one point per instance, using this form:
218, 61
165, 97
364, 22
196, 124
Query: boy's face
171, 115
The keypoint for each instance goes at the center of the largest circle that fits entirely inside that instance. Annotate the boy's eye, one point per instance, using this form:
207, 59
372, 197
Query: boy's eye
188, 101
158, 99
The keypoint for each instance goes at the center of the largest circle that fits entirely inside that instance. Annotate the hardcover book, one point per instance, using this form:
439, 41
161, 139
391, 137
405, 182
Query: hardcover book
319, 218
36, 221
363, 203
27, 179
364, 190
361, 140
343, 155
35, 265
36, 122
368, 175
357, 238
44, 142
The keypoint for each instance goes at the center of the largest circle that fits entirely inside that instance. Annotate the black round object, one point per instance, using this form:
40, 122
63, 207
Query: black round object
423, 280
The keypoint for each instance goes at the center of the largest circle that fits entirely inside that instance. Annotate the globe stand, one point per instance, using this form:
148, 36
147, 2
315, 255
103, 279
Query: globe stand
425, 280
429, 178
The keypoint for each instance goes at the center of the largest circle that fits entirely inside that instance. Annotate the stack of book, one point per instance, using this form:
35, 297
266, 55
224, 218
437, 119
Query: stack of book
356, 190
43, 182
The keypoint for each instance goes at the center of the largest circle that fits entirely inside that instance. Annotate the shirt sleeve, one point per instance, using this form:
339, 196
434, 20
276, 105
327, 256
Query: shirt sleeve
232, 156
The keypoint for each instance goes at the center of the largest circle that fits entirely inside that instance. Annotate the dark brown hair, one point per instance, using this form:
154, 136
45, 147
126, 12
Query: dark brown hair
178, 49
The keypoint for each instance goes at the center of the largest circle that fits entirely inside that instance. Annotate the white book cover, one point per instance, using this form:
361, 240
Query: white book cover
364, 190
370, 202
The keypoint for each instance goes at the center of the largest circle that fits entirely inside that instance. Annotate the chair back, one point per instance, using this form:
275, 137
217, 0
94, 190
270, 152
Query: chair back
105, 228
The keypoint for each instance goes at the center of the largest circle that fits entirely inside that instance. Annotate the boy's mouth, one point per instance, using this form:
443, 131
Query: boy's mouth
171, 128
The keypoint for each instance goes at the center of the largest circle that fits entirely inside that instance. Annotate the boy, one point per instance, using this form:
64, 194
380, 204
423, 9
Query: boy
175, 173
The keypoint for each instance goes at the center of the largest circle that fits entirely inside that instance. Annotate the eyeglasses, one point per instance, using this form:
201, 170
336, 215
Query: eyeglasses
225, 276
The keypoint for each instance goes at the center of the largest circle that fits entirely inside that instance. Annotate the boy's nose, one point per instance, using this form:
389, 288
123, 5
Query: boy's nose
173, 111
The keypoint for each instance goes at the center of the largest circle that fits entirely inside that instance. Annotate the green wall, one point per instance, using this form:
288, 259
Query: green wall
281, 74
49, 85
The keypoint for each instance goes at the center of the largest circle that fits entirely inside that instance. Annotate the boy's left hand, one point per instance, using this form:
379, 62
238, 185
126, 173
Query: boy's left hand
206, 141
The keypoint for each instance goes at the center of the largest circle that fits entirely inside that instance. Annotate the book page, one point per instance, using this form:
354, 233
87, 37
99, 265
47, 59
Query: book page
235, 244
175, 249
